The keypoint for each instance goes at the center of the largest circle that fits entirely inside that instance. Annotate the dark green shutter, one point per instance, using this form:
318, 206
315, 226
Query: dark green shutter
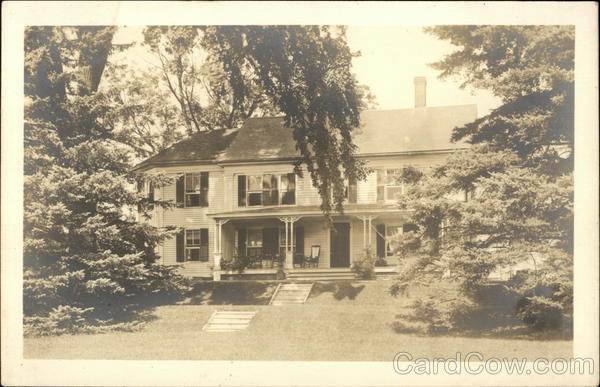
204, 244
179, 190
151, 192
299, 239
352, 191
140, 189
381, 253
181, 246
241, 190
204, 189
241, 247
380, 185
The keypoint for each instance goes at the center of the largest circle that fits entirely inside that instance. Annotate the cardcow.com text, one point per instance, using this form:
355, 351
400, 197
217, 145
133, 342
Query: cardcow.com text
475, 363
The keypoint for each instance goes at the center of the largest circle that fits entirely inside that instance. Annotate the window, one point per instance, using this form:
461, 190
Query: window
288, 189
391, 232
267, 190
254, 242
196, 245
196, 189
389, 184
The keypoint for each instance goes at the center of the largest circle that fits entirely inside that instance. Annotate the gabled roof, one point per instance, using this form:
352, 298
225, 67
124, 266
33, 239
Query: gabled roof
199, 147
381, 132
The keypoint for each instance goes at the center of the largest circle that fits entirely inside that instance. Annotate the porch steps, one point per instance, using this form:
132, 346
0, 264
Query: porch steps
287, 294
228, 321
320, 275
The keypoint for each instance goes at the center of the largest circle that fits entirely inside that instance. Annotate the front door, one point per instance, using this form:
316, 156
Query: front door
340, 245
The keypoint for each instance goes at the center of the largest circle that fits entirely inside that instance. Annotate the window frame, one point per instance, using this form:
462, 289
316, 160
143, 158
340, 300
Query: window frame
200, 192
200, 246
386, 184
387, 238
262, 190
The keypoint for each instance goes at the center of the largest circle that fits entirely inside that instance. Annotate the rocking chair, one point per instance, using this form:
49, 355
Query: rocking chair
313, 259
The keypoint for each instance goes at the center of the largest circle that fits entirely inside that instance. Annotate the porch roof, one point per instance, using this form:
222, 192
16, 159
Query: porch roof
269, 212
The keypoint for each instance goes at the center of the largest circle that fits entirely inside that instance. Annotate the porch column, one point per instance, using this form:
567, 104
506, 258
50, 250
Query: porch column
286, 220
367, 225
218, 252
289, 241
364, 222
370, 219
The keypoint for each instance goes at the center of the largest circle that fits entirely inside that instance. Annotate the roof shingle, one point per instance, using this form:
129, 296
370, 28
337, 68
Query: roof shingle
381, 132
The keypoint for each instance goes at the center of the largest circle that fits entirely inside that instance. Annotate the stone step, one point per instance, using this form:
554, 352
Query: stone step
291, 294
228, 321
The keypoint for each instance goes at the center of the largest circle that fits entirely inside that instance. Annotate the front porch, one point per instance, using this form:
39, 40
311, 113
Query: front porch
290, 243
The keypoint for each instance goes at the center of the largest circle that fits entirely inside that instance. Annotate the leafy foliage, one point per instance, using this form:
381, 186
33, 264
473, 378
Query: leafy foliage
364, 268
88, 262
508, 200
305, 72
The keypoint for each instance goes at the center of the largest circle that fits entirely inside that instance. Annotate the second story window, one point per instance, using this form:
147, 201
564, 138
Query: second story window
192, 190
266, 190
389, 184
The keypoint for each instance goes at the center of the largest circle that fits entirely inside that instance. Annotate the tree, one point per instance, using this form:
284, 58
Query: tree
146, 121
88, 263
221, 75
509, 198
305, 72
199, 83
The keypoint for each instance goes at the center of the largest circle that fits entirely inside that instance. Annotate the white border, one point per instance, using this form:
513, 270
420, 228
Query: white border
15, 15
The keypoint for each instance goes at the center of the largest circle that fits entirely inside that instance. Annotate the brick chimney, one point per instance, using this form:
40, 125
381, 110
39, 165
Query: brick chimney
420, 92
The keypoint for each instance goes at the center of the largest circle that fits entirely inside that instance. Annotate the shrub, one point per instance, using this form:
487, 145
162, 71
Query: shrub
540, 313
238, 264
364, 268
66, 319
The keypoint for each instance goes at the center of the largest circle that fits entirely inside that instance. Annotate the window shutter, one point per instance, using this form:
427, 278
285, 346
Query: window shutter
352, 191
179, 186
299, 239
241, 247
140, 189
380, 185
151, 192
380, 240
181, 246
204, 189
241, 190
204, 244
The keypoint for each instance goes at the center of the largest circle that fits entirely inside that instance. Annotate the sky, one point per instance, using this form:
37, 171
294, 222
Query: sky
391, 57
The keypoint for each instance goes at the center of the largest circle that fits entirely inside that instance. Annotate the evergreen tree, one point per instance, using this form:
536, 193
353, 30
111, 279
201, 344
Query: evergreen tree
88, 263
509, 198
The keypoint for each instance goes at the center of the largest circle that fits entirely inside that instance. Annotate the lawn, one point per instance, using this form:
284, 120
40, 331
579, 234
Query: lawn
342, 321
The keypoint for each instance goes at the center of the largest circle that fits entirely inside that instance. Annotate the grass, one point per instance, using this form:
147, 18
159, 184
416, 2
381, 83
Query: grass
341, 321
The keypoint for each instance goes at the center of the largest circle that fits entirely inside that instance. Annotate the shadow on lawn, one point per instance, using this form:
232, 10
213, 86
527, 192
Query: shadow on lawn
496, 319
230, 293
340, 290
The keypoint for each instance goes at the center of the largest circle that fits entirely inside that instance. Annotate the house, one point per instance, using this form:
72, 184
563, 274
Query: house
237, 195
